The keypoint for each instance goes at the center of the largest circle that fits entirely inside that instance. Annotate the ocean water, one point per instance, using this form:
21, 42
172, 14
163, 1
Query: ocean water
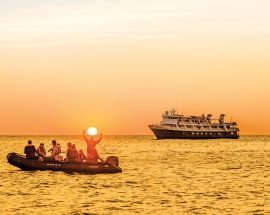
159, 177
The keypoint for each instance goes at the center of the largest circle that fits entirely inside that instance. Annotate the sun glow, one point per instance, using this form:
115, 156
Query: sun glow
92, 131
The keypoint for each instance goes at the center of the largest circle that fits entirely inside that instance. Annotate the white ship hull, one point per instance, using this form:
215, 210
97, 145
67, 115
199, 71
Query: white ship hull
173, 133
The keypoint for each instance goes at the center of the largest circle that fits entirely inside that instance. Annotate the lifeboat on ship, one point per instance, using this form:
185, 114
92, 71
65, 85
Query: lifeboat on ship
109, 166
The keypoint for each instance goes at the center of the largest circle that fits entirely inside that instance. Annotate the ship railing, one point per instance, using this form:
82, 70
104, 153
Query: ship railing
189, 123
185, 123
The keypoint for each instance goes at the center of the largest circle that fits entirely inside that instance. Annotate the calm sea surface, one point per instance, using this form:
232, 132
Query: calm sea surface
159, 177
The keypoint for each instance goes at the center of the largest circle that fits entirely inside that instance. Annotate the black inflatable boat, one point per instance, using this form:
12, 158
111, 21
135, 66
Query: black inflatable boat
20, 161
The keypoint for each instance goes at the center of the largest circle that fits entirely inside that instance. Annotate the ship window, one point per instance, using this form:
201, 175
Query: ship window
232, 133
197, 133
210, 133
192, 133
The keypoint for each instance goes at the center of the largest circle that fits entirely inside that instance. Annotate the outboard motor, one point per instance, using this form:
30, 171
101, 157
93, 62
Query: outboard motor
113, 160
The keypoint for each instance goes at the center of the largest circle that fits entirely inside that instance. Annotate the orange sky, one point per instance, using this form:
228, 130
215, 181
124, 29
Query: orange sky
68, 65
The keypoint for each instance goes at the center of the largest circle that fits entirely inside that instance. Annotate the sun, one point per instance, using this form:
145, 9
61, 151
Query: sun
92, 131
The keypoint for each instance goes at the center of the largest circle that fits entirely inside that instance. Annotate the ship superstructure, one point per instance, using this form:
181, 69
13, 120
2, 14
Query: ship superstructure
176, 126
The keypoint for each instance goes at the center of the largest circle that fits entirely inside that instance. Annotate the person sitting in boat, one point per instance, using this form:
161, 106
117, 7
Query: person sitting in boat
30, 151
81, 156
92, 154
60, 158
55, 153
68, 150
41, 152
58, 147
73, 154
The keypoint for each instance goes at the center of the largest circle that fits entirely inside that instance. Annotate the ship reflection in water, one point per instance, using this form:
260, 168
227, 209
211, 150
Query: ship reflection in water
175, 126
217, 176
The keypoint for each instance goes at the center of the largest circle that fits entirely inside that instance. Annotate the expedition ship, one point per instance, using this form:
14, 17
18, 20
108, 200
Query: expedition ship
175, 126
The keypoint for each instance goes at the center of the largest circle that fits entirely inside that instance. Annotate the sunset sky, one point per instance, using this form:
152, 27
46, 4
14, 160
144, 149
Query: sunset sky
66, 65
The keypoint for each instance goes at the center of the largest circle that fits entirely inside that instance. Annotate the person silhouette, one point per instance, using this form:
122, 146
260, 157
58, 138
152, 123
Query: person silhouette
92, 154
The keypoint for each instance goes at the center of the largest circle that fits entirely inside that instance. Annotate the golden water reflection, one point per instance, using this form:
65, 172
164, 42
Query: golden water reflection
159, 177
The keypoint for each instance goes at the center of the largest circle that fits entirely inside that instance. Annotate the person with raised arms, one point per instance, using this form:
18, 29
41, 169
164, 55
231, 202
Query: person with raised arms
92, 154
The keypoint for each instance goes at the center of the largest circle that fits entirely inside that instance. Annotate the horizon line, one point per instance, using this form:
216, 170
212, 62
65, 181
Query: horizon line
106, 135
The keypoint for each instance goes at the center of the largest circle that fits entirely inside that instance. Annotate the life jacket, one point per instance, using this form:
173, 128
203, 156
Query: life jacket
58, 149
90, 147
41, 151
92, 155
54, 151
73, 155
81, 157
